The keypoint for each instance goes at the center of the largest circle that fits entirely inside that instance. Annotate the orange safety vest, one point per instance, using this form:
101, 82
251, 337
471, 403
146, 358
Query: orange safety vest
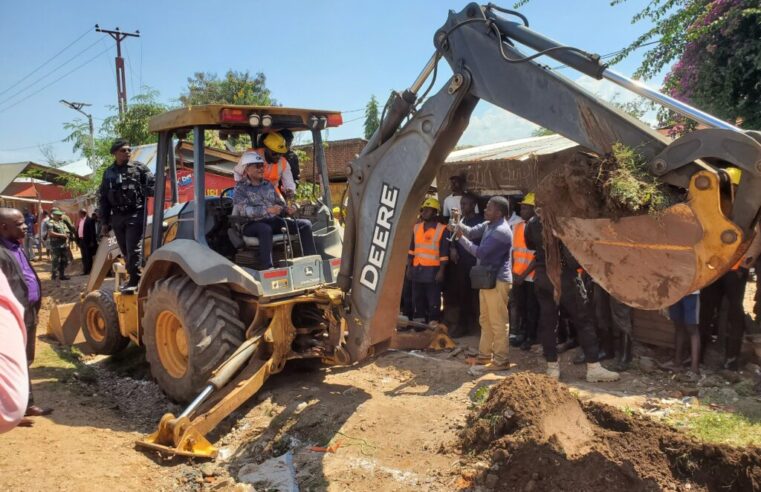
428, 245
272, 172
522, 256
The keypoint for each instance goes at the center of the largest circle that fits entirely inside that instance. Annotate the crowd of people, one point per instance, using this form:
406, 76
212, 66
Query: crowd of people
490, 270
55, 237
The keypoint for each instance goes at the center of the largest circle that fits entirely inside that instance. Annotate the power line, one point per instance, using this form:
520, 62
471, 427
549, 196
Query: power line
354, 119
34, 146
3, 110
612, 54
49, 73
44, 63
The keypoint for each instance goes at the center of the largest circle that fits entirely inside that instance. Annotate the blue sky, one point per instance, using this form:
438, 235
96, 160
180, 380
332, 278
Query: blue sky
326, 54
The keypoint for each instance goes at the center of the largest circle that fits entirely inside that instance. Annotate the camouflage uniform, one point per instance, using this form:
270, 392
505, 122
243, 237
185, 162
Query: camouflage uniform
58, 248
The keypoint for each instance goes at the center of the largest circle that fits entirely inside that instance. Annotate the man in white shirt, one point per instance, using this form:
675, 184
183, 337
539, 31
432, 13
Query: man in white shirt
457, 182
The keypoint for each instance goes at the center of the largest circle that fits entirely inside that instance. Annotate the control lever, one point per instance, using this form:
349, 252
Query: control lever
454, 221
285, 231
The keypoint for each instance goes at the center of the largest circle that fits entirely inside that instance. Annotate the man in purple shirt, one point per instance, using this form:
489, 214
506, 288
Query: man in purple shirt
24, 283
493, 251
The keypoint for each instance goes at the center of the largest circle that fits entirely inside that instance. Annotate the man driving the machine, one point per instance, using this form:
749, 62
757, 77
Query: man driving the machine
256, 198
276, 168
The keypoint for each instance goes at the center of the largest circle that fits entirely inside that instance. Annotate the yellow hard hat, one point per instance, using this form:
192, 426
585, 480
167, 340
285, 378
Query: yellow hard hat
431, 202
529, 199
275, 142
735, 173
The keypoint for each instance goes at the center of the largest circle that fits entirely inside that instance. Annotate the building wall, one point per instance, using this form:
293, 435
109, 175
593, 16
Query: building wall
338, 154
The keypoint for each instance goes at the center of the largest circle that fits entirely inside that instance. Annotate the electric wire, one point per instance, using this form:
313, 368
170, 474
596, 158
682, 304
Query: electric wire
3, 110
45, 62
33, 146
29, 86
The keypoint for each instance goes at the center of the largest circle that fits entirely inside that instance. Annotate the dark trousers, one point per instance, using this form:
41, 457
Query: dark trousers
88, 252
732, 287
128, 229
524, 310
427, 300
408, 301
461, 310
31, 345
613, 318
573, 302
264, 229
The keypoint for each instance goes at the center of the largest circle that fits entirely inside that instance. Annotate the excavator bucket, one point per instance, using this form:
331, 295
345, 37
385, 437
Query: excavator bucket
66, 319
65, 322
653, 261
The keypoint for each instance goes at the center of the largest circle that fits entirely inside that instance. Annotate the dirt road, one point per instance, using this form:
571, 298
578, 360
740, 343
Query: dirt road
393, 422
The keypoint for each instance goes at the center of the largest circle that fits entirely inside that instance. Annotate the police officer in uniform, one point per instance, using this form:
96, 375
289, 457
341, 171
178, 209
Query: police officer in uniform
123, 191
58, 233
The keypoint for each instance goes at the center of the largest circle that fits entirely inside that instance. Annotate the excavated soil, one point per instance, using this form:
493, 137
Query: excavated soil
536, 435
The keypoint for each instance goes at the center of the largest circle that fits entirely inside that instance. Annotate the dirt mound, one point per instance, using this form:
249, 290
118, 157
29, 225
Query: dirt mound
536, 435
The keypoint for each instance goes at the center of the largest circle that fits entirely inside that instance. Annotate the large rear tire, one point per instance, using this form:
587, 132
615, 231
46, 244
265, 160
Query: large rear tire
189, 331
100, 323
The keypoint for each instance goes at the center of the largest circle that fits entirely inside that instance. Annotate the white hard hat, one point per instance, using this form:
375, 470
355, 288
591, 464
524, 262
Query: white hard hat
249, 157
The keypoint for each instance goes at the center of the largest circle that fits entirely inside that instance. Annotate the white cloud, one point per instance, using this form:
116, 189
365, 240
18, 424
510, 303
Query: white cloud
495, 125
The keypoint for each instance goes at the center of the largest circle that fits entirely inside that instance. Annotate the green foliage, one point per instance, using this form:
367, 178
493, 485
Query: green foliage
234, 88
629, 184
372, 120
720, 67
542, 132
133, 124
670, 19
306, 192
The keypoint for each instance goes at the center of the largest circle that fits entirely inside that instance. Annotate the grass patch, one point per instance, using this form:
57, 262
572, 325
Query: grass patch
479, 396
716, 426
60, 363
629, 185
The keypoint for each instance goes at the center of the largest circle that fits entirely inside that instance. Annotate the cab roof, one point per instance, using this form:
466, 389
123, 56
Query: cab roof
239, 117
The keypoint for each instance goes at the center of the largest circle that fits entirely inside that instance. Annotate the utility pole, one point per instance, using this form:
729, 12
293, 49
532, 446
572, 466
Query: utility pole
121, 80
77, 106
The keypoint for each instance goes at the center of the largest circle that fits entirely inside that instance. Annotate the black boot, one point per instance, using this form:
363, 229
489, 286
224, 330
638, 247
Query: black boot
624, 352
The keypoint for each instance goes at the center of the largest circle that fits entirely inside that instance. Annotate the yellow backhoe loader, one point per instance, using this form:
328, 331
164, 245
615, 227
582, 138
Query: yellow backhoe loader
215, 327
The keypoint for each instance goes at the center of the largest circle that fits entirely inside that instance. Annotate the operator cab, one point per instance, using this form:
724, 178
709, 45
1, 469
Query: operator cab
217, 225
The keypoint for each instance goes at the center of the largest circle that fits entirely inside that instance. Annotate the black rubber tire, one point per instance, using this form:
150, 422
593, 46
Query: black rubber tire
111, 341
212, 328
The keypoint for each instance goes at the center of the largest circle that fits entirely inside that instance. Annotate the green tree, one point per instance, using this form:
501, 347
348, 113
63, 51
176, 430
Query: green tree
234, 88
133, 124
716, 47
713, 49
372, 121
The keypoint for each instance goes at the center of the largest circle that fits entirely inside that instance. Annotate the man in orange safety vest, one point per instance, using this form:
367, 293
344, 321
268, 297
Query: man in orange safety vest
524, 308
427, 260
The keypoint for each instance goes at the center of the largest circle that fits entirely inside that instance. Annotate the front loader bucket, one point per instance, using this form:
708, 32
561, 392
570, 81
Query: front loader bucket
653, 261
65, 323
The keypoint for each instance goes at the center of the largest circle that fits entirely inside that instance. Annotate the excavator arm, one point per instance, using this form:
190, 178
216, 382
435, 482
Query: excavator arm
692, 245
695, 241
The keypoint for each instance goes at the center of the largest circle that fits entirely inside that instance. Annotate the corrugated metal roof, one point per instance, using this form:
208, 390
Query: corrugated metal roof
514, 149
80, 168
